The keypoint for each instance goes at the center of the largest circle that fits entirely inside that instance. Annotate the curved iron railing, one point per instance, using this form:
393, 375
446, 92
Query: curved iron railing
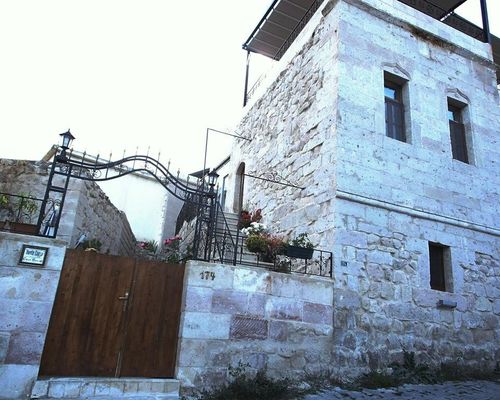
70, 164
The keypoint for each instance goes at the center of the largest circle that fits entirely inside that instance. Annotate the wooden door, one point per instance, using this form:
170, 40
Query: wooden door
153, 323
114, 316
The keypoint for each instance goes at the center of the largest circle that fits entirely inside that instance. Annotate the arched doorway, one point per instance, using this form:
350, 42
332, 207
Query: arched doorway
239, 188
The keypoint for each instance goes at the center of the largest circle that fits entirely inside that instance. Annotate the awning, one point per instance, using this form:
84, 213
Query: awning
279, 27
437, 9
285, 19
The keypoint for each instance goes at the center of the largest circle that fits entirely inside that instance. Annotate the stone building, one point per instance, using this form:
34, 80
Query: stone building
389, 119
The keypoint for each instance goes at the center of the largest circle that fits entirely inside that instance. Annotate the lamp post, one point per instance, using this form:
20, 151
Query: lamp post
66, 139
212, 179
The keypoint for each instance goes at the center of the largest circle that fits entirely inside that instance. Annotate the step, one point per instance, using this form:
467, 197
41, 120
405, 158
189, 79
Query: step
92, 388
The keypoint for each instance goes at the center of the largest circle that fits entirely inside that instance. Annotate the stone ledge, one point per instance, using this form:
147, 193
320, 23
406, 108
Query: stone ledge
105, 388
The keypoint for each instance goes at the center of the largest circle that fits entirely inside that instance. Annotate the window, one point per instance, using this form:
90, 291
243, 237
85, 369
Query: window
457, 131
440, 267
394, 107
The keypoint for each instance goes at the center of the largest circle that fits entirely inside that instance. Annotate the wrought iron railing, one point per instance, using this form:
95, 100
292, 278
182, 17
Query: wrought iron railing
229, 247
21, 213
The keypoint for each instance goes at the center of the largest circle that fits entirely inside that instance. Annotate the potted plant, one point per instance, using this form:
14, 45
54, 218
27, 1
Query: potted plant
300, 247
256, 244
247, 218
23, 210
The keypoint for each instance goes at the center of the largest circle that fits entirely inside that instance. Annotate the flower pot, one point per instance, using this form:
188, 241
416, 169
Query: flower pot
299, 252
18, 227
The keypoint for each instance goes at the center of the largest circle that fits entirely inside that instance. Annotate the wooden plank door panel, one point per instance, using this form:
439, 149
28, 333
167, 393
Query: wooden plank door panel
153, 322
86, 327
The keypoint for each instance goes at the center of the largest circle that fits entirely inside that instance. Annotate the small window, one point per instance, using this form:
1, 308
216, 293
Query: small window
394, 108
457, 132
440, 267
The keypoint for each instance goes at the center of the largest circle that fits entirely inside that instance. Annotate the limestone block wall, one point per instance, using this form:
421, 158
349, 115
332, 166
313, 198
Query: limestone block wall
26, 298
293, 132
282, 322
393, 198
377, 202
421, 173
383, 300
87, 209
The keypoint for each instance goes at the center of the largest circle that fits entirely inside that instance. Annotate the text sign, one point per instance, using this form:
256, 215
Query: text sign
33, 255
208, 275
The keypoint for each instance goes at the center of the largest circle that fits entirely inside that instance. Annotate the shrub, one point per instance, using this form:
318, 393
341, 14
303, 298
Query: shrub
149, 245
256, 244
251, 387
92, 244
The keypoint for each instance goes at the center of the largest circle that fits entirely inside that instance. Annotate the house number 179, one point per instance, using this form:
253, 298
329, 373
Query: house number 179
207, 275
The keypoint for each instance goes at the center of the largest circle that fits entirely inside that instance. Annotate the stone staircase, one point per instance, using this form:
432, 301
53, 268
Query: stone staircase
243, 256
106, 389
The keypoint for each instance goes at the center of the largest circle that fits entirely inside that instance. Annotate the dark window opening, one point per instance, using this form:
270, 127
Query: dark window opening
438, 260
457, 133
394, 110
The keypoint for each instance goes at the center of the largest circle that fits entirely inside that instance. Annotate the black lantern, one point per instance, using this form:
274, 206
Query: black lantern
66, 139
212, 178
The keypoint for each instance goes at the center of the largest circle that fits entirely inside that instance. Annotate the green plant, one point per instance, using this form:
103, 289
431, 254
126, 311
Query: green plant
171, 247
149, 245
25, 207
256, 243
245, 386
302, 240
4, 201
92, 244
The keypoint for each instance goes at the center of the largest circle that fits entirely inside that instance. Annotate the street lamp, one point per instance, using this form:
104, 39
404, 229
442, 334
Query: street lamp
66, 139
212, 178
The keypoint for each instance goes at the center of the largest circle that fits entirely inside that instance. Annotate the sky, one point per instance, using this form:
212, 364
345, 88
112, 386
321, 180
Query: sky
130, 75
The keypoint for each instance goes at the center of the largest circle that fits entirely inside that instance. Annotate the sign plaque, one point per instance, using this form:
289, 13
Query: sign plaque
33, 255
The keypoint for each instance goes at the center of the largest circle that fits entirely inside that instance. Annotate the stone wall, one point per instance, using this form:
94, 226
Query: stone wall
293, 132
26, 298
87, 209
377, 202
383, 300
281, 322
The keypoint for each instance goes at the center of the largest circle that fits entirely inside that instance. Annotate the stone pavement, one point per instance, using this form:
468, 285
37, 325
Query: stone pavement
473, 390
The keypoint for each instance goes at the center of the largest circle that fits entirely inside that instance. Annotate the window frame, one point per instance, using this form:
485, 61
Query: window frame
458, 131
440, 268
398, 105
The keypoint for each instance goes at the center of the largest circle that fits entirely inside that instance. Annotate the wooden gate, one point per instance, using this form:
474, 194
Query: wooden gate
114, 316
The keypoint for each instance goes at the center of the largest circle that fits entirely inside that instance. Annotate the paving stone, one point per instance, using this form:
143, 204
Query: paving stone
474, 390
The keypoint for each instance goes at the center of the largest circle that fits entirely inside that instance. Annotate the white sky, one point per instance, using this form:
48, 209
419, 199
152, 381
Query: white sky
127, 73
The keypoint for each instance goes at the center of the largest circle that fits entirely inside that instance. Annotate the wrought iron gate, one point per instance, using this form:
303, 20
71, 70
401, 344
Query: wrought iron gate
68, 164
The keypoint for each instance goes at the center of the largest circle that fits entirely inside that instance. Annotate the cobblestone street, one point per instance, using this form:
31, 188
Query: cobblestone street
475, 390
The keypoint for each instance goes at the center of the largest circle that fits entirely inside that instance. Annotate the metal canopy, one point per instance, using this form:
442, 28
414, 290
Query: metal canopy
437, 9
280, 25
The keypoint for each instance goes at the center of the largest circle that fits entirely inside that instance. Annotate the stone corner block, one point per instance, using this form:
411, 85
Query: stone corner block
40, 389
